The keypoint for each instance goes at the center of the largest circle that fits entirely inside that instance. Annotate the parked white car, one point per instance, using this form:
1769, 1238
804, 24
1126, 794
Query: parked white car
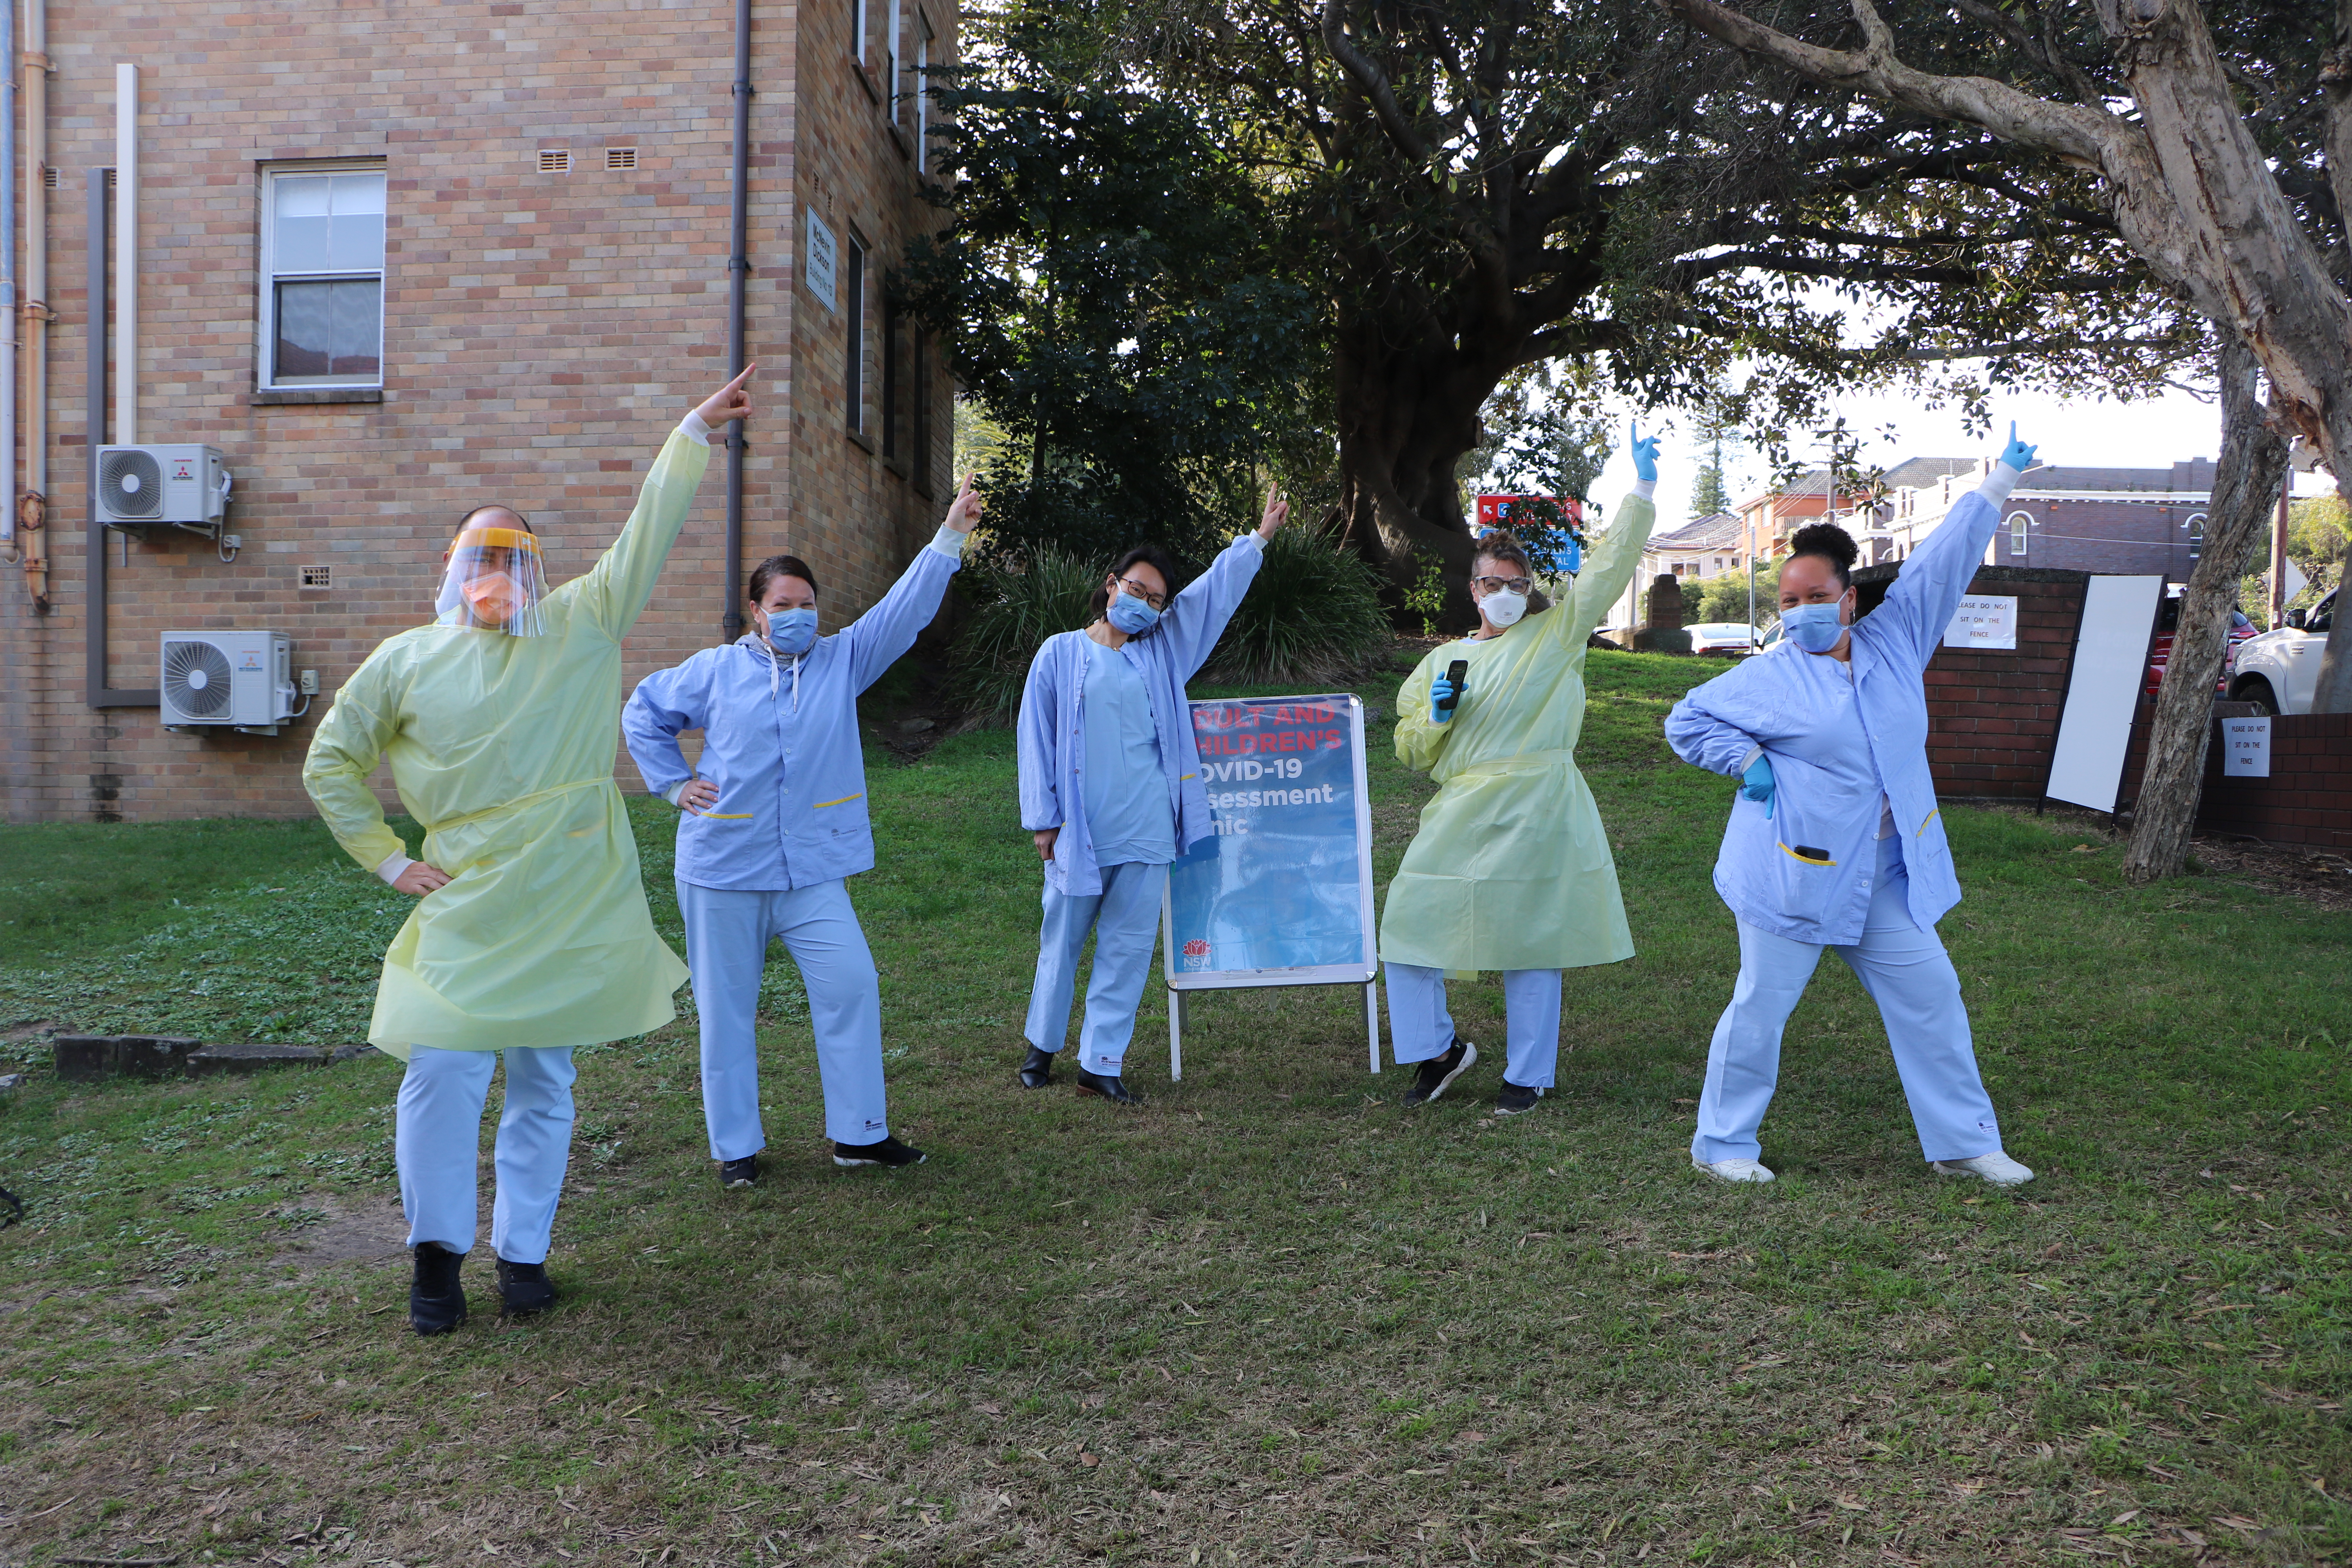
1731, 637
2280, 670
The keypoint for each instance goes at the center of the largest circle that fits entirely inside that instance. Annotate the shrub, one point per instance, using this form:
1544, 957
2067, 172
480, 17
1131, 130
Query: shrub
1313, 614
1016, 604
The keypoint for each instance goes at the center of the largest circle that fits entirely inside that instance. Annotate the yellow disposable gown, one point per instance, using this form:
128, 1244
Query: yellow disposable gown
1511, 866
503, 746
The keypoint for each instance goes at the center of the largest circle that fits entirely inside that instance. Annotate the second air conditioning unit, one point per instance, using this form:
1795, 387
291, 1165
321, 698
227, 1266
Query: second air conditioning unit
237, 680
174, 486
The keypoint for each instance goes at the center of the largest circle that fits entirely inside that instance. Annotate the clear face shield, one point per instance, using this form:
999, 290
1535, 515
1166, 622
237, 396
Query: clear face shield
494, 582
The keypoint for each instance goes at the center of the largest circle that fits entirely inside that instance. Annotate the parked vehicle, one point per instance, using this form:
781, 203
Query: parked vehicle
2279, 670
1728, 638
2241, 630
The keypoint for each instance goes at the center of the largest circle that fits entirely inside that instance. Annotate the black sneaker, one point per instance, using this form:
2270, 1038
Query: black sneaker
1437, 1074
742, 1173
1109, 1086
524, 1289
437, 1300
1037, 1068
889, 1151
1515, 1100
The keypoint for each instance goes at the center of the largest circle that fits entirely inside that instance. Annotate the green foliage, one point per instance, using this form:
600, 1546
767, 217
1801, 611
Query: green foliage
1313, 614
1108, 299
1724, 597
1426, 597
1016, 604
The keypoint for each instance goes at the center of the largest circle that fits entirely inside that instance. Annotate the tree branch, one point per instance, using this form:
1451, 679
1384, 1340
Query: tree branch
1373, 82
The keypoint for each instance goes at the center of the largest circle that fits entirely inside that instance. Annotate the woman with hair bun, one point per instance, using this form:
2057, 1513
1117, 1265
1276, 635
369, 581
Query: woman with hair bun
1835, 840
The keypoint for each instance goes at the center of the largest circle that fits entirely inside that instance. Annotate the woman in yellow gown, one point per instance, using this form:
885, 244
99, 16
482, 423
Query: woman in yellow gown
1510, 869
531, 935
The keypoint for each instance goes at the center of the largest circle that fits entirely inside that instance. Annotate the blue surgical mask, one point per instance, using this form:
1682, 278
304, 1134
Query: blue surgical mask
1132, 616
790, 632
1815, 628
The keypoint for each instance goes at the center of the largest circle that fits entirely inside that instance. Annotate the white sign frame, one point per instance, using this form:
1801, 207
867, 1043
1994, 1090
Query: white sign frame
822, 268
2103, 688
2246, 748
1364, 972
1984, 621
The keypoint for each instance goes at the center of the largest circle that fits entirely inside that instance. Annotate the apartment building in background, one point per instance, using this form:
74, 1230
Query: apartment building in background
393, 262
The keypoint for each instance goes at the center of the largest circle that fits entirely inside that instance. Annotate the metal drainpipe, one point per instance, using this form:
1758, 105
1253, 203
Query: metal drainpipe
94, 425
739, 269
8, 276
35, 311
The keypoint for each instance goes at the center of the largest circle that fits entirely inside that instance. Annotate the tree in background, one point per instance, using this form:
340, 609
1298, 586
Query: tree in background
2220, 147
1715, 435
1107, 298
2316, 535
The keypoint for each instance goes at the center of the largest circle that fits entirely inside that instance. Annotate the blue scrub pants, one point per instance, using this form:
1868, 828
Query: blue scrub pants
1420, 1027
727, 937
1124, 919
1907, 974
437, 1139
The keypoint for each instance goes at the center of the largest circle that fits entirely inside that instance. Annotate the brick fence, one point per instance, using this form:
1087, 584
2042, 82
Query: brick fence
1993, 715
2307, 799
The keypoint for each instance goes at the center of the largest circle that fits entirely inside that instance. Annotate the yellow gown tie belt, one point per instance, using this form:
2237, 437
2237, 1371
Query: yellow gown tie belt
1510, 765
517, 804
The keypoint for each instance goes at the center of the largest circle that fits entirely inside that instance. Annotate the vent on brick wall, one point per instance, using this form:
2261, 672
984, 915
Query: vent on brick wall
620, 157
49, 179
554, 161
318, 576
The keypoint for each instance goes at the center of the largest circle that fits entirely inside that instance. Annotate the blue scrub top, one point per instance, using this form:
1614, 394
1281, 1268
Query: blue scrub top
1127, 808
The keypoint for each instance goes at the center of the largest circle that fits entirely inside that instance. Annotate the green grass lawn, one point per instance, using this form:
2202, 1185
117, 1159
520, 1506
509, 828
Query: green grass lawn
1271, 1317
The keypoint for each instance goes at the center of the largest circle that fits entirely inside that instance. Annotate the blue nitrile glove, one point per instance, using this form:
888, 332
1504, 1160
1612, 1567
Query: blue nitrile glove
2017, 453
1755, 784
1437, 690
1646, 453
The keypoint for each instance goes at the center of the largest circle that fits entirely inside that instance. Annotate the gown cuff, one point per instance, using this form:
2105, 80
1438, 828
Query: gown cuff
949, 542
671, 794
1748, 762
694, 429
395, 866
1646, 489
1998, 483
1253, 537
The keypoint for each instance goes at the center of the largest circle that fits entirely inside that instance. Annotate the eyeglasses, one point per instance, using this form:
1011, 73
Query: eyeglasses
1157, 601
1482, 586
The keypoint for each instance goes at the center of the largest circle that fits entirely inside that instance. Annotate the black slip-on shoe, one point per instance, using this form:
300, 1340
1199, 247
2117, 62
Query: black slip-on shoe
1436, 1075
742, 1173
889, 1151
524, 1289
437, 1300
1109, 1088
1515, 1100
1037, 1068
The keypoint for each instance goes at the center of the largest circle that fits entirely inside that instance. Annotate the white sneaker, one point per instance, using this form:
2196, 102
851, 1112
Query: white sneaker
1996, 1168
1734, 1170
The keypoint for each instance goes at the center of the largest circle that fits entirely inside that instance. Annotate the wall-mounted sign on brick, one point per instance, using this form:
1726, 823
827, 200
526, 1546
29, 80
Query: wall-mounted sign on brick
1984, 620
2246, 748
824, 260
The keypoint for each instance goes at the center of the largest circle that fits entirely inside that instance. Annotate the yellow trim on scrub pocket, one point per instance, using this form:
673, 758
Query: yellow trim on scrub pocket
1928, 818
844, 800
1804, 860
722, 815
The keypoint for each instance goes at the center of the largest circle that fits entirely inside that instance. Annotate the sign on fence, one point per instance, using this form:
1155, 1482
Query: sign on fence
2246, 748
1984, 620
1281, 894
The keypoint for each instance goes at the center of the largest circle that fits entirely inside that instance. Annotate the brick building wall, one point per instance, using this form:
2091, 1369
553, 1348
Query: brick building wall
2115, 537
542, 330
1993, 715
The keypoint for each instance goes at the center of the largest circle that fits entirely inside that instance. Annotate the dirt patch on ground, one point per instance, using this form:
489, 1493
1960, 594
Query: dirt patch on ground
348, 1230
2321, 877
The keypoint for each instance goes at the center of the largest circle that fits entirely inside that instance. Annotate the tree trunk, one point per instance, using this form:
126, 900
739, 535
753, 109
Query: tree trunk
2245, 489
1406, 415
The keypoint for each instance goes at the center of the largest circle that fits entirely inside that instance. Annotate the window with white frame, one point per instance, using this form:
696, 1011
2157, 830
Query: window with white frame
893, 53
321, 286
854, 377
863, 26
2019, 522
922, 93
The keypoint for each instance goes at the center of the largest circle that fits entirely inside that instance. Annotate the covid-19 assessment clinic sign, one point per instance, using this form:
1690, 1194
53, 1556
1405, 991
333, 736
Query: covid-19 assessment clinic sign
1282, 893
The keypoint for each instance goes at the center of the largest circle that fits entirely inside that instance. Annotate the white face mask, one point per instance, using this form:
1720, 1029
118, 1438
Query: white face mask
1504, 609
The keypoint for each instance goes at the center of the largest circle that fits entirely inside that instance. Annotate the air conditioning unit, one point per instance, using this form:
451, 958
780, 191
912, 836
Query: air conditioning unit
177, 486
238, 680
